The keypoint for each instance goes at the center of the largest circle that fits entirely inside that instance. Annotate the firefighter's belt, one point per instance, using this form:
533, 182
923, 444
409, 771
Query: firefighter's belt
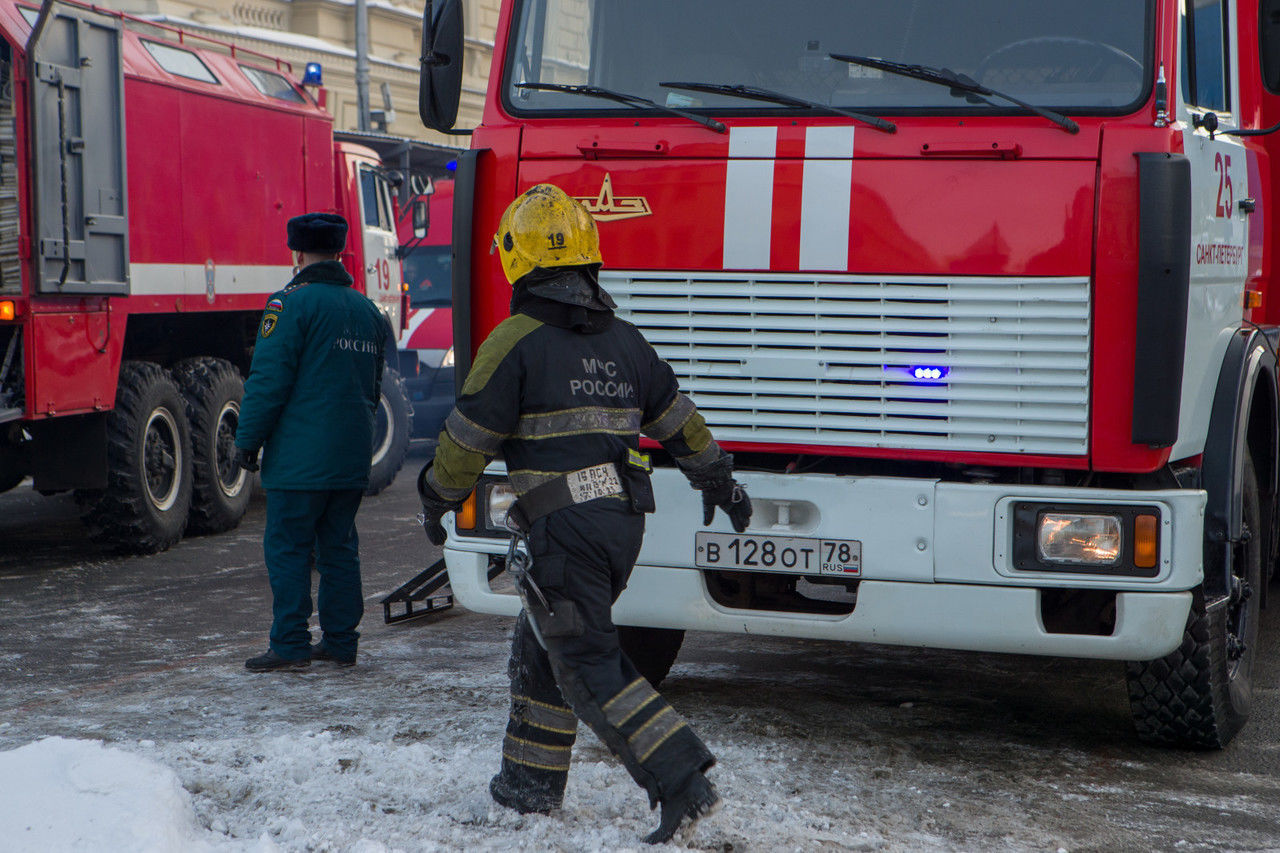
586, 484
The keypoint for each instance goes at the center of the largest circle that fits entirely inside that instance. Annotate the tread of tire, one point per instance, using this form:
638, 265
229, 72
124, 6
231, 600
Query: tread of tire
196, 378
402, 389
116, 515
1172, 697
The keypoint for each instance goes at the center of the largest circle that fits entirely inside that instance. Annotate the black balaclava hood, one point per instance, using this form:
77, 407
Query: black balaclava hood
566, 297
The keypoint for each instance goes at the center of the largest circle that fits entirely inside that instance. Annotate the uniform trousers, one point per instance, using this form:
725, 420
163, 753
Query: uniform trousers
303, 526
582, 558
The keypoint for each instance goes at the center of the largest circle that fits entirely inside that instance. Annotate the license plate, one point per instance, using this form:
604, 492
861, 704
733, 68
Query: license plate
791, 554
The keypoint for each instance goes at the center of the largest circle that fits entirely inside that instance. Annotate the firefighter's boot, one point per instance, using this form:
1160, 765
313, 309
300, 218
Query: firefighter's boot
695, 799
541, 730
535, 756
528, 789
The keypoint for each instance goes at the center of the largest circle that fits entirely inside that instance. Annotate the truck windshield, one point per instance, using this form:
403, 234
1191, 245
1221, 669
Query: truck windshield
1089, 56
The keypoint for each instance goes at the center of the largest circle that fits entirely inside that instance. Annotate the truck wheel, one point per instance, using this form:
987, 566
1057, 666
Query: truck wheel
393, 424
144, 506
1199, 694
213, 389
652, 650
12, 468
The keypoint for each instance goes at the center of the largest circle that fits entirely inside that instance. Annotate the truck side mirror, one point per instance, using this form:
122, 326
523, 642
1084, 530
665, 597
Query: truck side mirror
440, 78
421, 219
1269, 44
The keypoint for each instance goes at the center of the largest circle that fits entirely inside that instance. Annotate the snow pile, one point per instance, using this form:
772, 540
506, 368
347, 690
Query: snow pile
59, 794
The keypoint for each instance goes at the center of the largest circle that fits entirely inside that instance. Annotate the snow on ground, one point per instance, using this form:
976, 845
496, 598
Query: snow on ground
385, 757
59, 794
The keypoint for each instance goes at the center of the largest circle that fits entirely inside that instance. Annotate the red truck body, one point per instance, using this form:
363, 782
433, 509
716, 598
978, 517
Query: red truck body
1013, 357
154, 173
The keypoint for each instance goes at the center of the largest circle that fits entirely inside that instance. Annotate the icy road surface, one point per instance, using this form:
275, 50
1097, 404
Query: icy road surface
164, 742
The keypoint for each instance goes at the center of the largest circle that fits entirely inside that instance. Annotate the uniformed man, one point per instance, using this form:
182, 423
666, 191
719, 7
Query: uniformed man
310, 401
563, 389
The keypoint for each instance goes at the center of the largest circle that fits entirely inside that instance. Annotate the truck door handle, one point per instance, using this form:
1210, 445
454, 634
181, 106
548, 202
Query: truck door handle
1248, 205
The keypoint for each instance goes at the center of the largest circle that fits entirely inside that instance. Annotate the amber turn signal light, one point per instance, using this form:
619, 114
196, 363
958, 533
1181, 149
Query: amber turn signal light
465, 517
8, 309
1146, 541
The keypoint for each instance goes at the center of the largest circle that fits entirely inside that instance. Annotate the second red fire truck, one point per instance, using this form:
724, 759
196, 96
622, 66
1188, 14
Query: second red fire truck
145, 180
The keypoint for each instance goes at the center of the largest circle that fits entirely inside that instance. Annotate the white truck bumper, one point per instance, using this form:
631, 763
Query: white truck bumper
937, 566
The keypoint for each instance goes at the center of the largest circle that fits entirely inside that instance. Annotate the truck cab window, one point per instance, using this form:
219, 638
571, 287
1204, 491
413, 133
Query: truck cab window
375, 199
1205, 54
428, 272
182, 63
271, 84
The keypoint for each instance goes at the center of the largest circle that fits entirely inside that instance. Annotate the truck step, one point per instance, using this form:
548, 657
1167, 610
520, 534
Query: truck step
416, 595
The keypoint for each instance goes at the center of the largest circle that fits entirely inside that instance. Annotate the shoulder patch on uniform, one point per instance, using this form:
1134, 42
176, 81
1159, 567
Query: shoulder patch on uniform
275, 303
269, 322
495, 348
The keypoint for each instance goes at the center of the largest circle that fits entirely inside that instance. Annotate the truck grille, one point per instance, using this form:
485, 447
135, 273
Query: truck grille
955, 364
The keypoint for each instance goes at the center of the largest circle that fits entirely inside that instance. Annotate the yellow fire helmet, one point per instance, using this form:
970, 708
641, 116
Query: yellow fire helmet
546, 228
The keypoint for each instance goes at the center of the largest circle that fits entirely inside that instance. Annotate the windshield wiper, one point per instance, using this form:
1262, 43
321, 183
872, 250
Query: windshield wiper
957, 83
756, 93
623, 98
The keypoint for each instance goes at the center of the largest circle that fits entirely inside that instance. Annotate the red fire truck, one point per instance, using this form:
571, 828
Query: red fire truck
145, 180
981, 296
426, 344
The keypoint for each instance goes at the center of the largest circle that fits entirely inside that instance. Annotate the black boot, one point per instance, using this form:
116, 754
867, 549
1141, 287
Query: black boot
524, 798
270, 661
695, 799
321, 652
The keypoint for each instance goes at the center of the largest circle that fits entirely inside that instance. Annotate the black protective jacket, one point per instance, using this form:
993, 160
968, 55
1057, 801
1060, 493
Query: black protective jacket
556, 388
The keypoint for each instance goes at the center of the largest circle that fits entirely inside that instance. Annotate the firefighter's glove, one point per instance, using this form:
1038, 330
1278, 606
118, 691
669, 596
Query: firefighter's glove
433, 509
719, 489
732, 498
247, 459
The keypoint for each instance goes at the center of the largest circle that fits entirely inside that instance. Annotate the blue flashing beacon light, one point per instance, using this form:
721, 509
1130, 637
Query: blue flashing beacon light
452, 165
314, 75
929, 373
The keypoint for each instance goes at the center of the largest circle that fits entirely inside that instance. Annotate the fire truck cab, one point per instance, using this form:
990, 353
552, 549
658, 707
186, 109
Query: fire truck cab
981, 296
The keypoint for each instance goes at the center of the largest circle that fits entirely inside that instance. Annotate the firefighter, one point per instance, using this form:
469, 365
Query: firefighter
310, 401
563, 389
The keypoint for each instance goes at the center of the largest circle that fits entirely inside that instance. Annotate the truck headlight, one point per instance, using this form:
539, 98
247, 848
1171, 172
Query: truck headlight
500, 498
485, 511
1079, 539
1101, 539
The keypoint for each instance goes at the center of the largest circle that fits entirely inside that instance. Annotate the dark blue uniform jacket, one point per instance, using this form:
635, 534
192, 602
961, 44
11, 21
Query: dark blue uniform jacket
314, 384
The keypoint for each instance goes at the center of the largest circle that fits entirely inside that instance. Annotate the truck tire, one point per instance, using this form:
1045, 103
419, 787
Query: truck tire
393, 424
12, 468
220, 489
652, 650
1199, 695
144, 507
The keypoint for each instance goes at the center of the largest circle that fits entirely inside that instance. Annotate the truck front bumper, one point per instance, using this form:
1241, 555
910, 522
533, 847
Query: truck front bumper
937, 566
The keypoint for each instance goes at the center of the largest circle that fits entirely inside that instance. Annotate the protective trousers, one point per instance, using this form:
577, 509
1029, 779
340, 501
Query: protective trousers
582, 559
302, 525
